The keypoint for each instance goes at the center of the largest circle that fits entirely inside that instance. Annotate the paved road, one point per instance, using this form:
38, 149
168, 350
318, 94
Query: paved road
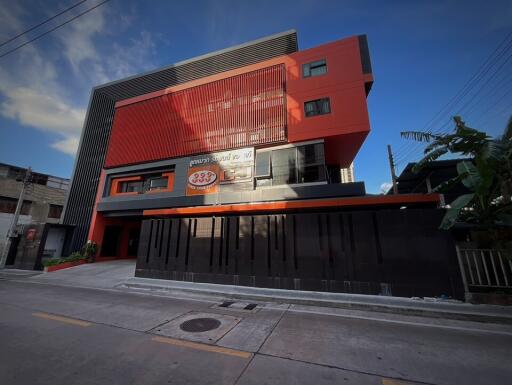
51, 334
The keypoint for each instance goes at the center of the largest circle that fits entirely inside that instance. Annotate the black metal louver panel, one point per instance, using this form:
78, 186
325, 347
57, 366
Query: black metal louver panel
202, 67
96, 131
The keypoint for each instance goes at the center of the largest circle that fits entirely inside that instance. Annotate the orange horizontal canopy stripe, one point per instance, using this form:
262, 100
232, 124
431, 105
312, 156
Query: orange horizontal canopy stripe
298, 204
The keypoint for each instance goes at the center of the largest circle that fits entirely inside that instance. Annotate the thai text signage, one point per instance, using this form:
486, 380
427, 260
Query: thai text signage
209, 171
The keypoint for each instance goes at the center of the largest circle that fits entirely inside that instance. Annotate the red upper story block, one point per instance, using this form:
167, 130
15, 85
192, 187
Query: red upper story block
256, 105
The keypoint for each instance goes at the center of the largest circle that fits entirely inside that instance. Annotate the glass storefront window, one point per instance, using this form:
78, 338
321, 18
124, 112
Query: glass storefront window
284, 166
157, 183
292, 165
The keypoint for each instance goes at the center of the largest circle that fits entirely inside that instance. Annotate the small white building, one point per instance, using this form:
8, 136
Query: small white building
347, 174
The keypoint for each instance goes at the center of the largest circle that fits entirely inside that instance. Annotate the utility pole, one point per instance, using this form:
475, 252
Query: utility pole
12, 233
392, 167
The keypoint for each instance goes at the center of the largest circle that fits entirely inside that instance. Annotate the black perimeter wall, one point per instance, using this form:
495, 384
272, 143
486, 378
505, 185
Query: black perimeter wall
355, 252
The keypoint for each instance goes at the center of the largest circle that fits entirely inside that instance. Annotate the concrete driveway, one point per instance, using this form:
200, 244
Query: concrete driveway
103, 275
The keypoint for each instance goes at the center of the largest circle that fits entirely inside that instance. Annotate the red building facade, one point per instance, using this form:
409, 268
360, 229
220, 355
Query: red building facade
284, 124
256, 105
226, 168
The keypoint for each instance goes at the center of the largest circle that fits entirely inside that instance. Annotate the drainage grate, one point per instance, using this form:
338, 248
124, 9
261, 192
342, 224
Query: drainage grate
237, 306
197, 325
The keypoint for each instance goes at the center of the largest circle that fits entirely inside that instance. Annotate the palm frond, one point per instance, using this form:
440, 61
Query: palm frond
430, 157
472, 177
435, 144
449, 184
419, 136
494, 149
453, 213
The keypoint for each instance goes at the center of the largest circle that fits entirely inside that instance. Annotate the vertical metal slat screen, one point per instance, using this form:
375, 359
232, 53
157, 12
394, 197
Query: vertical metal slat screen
98, 124
243, 110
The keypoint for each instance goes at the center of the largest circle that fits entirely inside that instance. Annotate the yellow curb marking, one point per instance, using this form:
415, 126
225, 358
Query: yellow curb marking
204, 347
62, 319
388, 381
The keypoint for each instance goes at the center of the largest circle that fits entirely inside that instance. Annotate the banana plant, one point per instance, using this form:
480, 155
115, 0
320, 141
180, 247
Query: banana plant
486, 171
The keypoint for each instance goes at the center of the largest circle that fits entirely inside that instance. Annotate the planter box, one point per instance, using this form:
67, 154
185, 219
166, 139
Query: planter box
64, 265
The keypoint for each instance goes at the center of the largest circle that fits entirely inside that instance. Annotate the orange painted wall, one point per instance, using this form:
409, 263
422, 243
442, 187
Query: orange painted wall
98, 230
348, 123
99, 222
346, 126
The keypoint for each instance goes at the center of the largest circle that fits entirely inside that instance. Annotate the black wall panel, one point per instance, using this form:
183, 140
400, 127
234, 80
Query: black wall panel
369, 252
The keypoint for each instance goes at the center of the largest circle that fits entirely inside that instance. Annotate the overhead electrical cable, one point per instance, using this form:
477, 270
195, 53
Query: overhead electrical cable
41, 23
53, 29
407, 149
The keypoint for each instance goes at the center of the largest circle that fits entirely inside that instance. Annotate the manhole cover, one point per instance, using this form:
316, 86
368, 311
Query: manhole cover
197, 325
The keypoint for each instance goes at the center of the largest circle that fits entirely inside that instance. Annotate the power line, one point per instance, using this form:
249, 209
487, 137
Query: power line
507, 107
41, 23
492, 106
53, 29
483, 69
486, 100
480, 74
484, 85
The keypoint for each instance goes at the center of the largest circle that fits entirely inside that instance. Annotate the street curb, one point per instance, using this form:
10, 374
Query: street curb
396, 305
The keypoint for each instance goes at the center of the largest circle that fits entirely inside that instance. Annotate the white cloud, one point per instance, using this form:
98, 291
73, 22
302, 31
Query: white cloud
43, 111
385, 187
32, 83
78, 39
67, 146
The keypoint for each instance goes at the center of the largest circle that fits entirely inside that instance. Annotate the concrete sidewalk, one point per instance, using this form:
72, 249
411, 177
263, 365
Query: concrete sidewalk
406, 306
119, 276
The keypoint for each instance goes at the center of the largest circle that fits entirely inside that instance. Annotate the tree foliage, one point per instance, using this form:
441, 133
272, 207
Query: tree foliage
486, 172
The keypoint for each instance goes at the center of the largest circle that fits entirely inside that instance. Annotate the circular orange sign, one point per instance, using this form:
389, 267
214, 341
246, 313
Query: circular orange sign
202, 179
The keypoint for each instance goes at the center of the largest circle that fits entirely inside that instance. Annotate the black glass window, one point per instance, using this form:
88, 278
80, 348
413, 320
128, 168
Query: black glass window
8, 205
133, 186
158, 183
263, 164
314, 69
284, 166
301, 164
55, 211
310, 161
317, 107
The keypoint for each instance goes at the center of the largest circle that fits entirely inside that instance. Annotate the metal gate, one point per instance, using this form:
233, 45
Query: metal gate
484, 269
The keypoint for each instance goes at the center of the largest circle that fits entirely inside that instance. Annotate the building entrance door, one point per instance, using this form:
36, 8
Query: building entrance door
133, 242
111, 236
13, 249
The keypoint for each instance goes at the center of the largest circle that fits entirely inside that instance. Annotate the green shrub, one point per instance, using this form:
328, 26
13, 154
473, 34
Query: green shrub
76, 256
51, 261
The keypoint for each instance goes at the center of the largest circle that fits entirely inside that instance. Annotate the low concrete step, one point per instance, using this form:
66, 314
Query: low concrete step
407, 306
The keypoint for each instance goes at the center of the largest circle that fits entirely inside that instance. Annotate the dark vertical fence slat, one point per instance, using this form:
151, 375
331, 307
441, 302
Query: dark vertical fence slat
308, 251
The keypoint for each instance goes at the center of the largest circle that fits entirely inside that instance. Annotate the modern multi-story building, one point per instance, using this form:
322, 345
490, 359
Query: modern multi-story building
347, 174
216, 167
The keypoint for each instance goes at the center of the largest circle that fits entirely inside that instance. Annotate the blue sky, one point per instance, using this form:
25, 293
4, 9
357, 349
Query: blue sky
422, 54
